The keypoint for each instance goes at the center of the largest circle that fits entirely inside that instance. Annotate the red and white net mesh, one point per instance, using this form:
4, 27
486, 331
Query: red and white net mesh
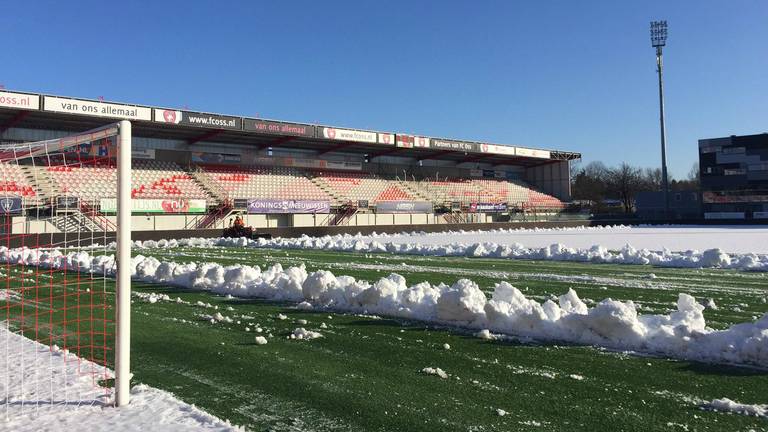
56, 271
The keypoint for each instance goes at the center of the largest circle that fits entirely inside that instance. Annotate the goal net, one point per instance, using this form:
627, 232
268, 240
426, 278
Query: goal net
64, 323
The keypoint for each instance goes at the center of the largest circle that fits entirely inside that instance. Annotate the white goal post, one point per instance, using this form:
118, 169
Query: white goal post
123, 259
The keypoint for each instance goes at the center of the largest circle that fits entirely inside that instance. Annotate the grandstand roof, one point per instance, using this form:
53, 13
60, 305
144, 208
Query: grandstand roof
38, 111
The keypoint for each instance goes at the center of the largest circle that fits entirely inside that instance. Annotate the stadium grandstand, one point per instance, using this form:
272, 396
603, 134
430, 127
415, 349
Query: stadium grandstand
194, 170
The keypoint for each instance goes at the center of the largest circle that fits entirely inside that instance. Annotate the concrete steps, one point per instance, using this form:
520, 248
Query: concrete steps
216, 195
44, 186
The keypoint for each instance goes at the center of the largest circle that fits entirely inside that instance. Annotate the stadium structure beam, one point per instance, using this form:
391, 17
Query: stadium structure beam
548, 162
563, 155
13, 121
336, 148
275, 142
436, 155
477, 158
517, 160
208, 135
385, 152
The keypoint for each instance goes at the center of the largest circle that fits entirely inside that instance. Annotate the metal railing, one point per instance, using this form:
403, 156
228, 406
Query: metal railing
91, 213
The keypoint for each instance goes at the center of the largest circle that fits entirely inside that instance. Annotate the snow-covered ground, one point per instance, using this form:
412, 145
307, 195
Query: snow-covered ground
45, 390
682, 333
730, 239
742, 248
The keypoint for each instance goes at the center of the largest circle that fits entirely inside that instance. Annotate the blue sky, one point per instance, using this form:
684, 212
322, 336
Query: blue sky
571, 75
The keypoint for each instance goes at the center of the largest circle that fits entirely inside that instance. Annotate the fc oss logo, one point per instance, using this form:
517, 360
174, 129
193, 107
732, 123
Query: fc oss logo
169, 116
6, 204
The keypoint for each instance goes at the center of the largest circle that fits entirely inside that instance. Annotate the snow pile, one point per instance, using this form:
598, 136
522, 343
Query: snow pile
435, 371
303, 334
44, 378
727, 405
506, 244
216, 318
151, 297
710, 304
610, 323
485, 334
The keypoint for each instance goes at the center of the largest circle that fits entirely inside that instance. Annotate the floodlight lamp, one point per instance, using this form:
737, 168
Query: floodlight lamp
658, 33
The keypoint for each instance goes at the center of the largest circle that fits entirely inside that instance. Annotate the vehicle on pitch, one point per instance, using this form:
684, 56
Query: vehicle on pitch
238, 229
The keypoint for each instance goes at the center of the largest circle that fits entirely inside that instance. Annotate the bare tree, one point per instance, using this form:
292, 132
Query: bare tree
590, 182
651, 179
625, 181
596, 183
693, 174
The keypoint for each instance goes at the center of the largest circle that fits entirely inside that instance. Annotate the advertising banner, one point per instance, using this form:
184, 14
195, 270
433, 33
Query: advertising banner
715, 198
386, 139
404, 207
454, 145
10, 205
197, 119
96, 109
278, 128
724, 215
475, 173
412, 141
487, 207
109, 205
348, 135
215, 158
542, 154
98, 148
67, 202
142, 153
306, 163
344, 165
497, 149
263, 206
19, 100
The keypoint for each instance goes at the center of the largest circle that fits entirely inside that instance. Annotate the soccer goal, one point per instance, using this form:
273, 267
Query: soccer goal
65, 238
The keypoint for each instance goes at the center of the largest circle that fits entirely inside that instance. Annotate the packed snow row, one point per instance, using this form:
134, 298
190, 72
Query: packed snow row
41, 386
731, 239
730, 406
709, 258
614, 324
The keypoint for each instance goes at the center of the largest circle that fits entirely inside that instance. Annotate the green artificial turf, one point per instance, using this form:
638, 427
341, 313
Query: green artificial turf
365, 373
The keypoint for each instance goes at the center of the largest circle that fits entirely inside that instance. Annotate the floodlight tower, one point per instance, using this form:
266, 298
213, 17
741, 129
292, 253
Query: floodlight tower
658, 40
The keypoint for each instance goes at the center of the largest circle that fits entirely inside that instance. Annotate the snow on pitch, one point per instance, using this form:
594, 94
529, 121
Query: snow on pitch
743, 248
47, 391
730, 239
728, 405
682, 333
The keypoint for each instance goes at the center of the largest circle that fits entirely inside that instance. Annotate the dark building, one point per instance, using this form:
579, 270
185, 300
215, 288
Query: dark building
682, 205
734, 177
